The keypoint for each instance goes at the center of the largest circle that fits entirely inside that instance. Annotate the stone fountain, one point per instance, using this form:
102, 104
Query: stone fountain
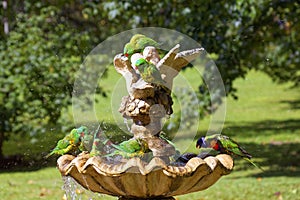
156, 177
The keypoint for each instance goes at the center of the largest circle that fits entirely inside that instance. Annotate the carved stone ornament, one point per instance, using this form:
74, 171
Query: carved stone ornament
138, 179
146, 105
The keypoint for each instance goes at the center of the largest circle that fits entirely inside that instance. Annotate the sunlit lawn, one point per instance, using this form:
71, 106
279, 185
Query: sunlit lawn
265, 119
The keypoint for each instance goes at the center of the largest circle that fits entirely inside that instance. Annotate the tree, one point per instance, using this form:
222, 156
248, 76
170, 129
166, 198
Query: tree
258, 35
38, 63
48, 39
244, 35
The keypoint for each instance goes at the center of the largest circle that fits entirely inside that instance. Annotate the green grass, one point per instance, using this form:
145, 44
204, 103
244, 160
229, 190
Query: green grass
41, 184
265, 120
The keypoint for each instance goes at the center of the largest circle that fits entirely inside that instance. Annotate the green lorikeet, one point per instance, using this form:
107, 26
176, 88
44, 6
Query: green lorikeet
70, 142
224, 144
100, 144
137, 44
130, 148
149, 72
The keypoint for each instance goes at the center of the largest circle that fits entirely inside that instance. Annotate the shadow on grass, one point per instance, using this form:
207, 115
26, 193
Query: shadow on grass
21, 163
263, 127
28, 156
277, 148
293, 104
281, 158
278, 159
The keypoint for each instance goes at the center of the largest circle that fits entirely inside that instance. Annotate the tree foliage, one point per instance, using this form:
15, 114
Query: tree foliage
48, 39
38, 61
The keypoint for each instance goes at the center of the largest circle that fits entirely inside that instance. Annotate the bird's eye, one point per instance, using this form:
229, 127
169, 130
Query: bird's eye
126, 54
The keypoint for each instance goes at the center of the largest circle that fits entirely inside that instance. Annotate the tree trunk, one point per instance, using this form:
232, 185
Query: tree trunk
5, 18
1, 144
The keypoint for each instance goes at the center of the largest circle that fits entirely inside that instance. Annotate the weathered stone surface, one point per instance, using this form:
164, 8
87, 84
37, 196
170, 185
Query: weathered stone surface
146, 105
138, 179
143, 110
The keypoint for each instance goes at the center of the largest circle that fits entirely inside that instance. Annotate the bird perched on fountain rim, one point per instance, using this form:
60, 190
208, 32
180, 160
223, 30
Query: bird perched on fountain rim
137, 44
130, 148
224, 144
80, 139
70, 142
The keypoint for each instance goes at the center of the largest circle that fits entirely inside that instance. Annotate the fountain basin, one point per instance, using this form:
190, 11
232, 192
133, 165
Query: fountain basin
138, 179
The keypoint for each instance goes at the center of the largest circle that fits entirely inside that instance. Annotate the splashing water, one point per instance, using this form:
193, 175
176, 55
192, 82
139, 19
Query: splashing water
69, 187
126, 123
74, 191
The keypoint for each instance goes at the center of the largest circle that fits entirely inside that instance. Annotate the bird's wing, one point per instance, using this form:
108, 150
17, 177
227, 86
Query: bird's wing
228, 143
61, 144
136, 37
118, 147
141, 43
234, 147
132, 146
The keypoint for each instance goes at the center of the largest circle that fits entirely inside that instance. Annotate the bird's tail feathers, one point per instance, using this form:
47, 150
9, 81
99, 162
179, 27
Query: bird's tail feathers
245, 153
254, 164
48, 155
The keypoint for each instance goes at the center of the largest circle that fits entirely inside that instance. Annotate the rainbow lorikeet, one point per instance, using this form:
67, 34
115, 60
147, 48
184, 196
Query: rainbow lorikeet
70, 142
224, 144
137, 44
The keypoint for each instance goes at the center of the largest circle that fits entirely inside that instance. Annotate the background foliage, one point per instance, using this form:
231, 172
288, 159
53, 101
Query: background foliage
48, 40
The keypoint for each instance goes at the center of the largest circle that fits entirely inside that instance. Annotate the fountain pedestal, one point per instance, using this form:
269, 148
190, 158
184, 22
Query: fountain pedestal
155, 178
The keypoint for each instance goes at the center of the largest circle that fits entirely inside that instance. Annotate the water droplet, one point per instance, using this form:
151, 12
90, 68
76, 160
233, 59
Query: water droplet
126, 123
